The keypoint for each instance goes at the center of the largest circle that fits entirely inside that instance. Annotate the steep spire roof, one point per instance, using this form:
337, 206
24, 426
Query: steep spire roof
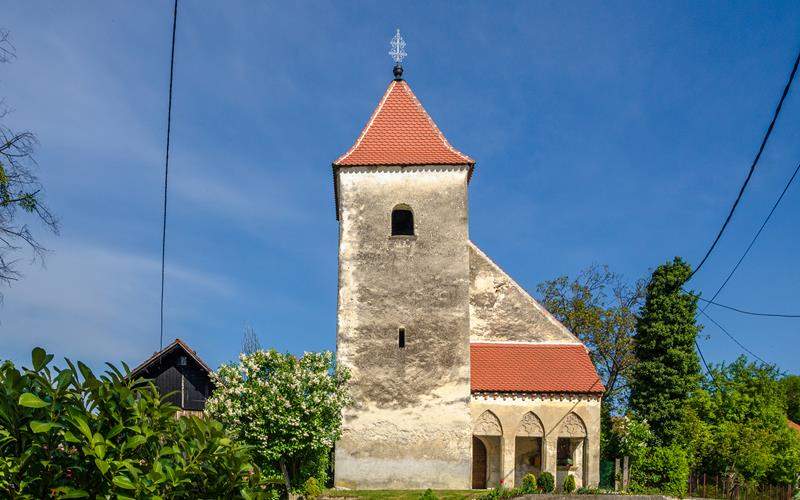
400, 132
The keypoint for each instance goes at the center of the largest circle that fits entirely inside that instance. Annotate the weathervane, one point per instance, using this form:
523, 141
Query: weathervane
398, 54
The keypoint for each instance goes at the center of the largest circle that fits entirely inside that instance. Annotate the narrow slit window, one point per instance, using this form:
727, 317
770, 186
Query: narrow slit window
401, 338
402, 221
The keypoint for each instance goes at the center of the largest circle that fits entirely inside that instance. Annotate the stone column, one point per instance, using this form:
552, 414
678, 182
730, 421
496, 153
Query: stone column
591, 463
509, 452
550, 454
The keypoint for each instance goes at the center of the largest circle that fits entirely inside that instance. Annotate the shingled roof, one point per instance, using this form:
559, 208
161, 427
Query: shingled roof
533, 368
400, 132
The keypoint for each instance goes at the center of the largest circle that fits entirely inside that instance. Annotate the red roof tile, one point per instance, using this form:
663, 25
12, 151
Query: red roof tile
533, 368
400, 132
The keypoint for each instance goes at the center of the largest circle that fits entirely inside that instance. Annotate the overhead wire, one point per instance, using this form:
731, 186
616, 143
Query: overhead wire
166, 171
753, 165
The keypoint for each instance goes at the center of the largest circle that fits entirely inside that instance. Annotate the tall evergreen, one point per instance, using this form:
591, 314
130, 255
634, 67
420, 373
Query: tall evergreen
668, 369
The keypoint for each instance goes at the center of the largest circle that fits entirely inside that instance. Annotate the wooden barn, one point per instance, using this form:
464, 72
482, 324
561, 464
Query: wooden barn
177, 369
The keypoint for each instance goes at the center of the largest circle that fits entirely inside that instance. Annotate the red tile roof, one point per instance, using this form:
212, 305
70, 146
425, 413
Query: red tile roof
400, 132
533, 368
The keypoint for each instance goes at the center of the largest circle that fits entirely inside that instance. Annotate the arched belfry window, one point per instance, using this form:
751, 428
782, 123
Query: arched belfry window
402, 221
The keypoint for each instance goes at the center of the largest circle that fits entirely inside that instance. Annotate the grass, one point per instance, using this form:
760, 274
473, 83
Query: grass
401, 494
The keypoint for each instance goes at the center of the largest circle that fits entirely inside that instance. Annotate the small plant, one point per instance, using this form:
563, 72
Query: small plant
311, 488
428, 495
569, 484
547, 482
529, 483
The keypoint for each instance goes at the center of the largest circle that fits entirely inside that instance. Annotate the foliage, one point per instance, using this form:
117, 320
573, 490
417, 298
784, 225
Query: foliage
401, 494
287, 408
663, 468
599, 307
71, 434
668, 369
632, 437
500, 491
529, 483
791, 390
428, 495
311, 488
21, 196
547, 482
569, 484
737, 426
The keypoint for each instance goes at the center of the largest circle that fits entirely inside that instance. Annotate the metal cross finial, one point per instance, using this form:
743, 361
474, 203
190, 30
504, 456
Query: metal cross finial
398, 45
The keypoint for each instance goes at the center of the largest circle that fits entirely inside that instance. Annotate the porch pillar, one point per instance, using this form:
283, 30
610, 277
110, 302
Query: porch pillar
509, 454
591, 464
550, 455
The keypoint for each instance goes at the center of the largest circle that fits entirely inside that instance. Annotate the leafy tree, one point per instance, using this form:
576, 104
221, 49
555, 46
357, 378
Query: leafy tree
70, 434
653, 468
791, 389
21, 195
741, 431
288, 409
600, 308
668, 369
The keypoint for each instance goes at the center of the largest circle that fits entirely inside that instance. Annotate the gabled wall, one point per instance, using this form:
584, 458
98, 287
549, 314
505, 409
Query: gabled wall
501, 310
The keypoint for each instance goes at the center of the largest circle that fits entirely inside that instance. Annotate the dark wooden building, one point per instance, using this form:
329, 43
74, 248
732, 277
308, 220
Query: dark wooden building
177, 369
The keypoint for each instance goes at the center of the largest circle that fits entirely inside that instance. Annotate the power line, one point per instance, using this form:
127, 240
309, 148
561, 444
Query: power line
751, 313
705, 364
758, 233
752, 166
166, 170
726, 332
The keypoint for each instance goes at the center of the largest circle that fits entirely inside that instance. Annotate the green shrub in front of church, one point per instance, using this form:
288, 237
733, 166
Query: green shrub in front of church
529, 484
547, 482
428, 495
569, 484
287, 409
68, 433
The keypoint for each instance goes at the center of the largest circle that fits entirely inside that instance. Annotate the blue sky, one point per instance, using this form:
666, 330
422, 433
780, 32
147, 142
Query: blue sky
614, 132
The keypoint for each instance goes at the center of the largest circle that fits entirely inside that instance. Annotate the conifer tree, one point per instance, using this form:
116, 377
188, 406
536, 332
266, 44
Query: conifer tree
668, 369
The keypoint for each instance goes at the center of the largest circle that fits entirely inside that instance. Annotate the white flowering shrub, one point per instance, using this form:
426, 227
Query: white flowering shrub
288, 409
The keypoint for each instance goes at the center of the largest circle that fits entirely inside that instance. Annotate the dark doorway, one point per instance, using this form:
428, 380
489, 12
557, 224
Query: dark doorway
478, 464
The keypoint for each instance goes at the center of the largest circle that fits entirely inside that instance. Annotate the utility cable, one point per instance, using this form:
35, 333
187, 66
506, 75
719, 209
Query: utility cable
166, 171
752, 166
758, 233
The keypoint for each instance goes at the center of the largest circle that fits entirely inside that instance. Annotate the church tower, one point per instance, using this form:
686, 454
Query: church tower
403, 305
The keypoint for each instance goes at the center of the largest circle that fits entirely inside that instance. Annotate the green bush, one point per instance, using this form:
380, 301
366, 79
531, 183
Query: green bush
569, 484
547, 482
68, 433
529, 483
428, 495
665, 469
311, 488
500, 492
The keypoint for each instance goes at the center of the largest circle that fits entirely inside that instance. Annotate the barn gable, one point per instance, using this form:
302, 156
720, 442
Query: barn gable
178, 370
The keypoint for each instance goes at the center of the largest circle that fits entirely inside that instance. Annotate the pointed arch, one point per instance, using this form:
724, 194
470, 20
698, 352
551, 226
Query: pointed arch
530, 425
488, 425
573, 426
